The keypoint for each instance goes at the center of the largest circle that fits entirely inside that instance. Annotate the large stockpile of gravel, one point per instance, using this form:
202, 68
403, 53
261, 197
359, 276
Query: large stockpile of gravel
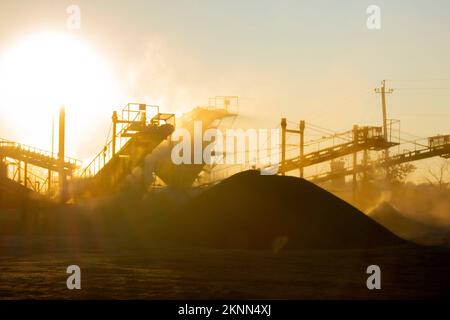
250, 210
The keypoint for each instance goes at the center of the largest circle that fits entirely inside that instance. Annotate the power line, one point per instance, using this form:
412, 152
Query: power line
418, 80
422, 88
420, 114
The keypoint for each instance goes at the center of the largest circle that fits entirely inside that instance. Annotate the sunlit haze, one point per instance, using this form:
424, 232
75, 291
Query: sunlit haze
229, 156
311, 60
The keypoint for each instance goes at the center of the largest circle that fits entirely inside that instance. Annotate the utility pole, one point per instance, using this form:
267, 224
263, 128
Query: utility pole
382, 91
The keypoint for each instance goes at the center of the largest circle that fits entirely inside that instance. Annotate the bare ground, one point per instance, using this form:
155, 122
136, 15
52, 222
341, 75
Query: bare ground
122, 272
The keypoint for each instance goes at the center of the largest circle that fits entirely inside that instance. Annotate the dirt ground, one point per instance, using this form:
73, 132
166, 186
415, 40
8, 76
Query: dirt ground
170, 273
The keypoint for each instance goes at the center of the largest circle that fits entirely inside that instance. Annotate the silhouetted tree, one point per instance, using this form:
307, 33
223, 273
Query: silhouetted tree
439, 176
397, 174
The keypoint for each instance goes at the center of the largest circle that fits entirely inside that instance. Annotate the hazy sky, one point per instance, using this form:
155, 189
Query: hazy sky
312, 60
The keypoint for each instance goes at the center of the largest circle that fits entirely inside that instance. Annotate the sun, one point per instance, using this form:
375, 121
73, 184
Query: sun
42, 72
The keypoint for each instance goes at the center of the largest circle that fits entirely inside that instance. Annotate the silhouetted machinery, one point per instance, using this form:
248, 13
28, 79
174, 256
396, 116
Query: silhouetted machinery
210, 116
140, 146
136, 132
439, 141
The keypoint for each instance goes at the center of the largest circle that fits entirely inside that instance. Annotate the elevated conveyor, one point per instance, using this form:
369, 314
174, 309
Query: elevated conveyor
35, 156
438, 146
134, 136
184, 175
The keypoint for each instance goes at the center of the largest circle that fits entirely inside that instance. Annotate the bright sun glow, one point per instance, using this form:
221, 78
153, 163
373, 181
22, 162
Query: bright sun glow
39, 74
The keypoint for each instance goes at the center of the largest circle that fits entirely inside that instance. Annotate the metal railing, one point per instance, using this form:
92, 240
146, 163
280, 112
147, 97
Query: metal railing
106, 154
7, 144
129, 117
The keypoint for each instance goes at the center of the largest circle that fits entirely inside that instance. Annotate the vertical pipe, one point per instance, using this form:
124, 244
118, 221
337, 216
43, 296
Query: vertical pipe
283, 146
61, 154
143, 111
226, 104
105, 150
355, 154
114, 132
3, 168
49, 180
365, 154
302, 146
19, 174
25, 174
53, 135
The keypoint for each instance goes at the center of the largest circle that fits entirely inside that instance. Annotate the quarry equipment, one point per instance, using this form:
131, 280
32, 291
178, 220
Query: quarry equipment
20, 162
140, 143
210, 116
136, 132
